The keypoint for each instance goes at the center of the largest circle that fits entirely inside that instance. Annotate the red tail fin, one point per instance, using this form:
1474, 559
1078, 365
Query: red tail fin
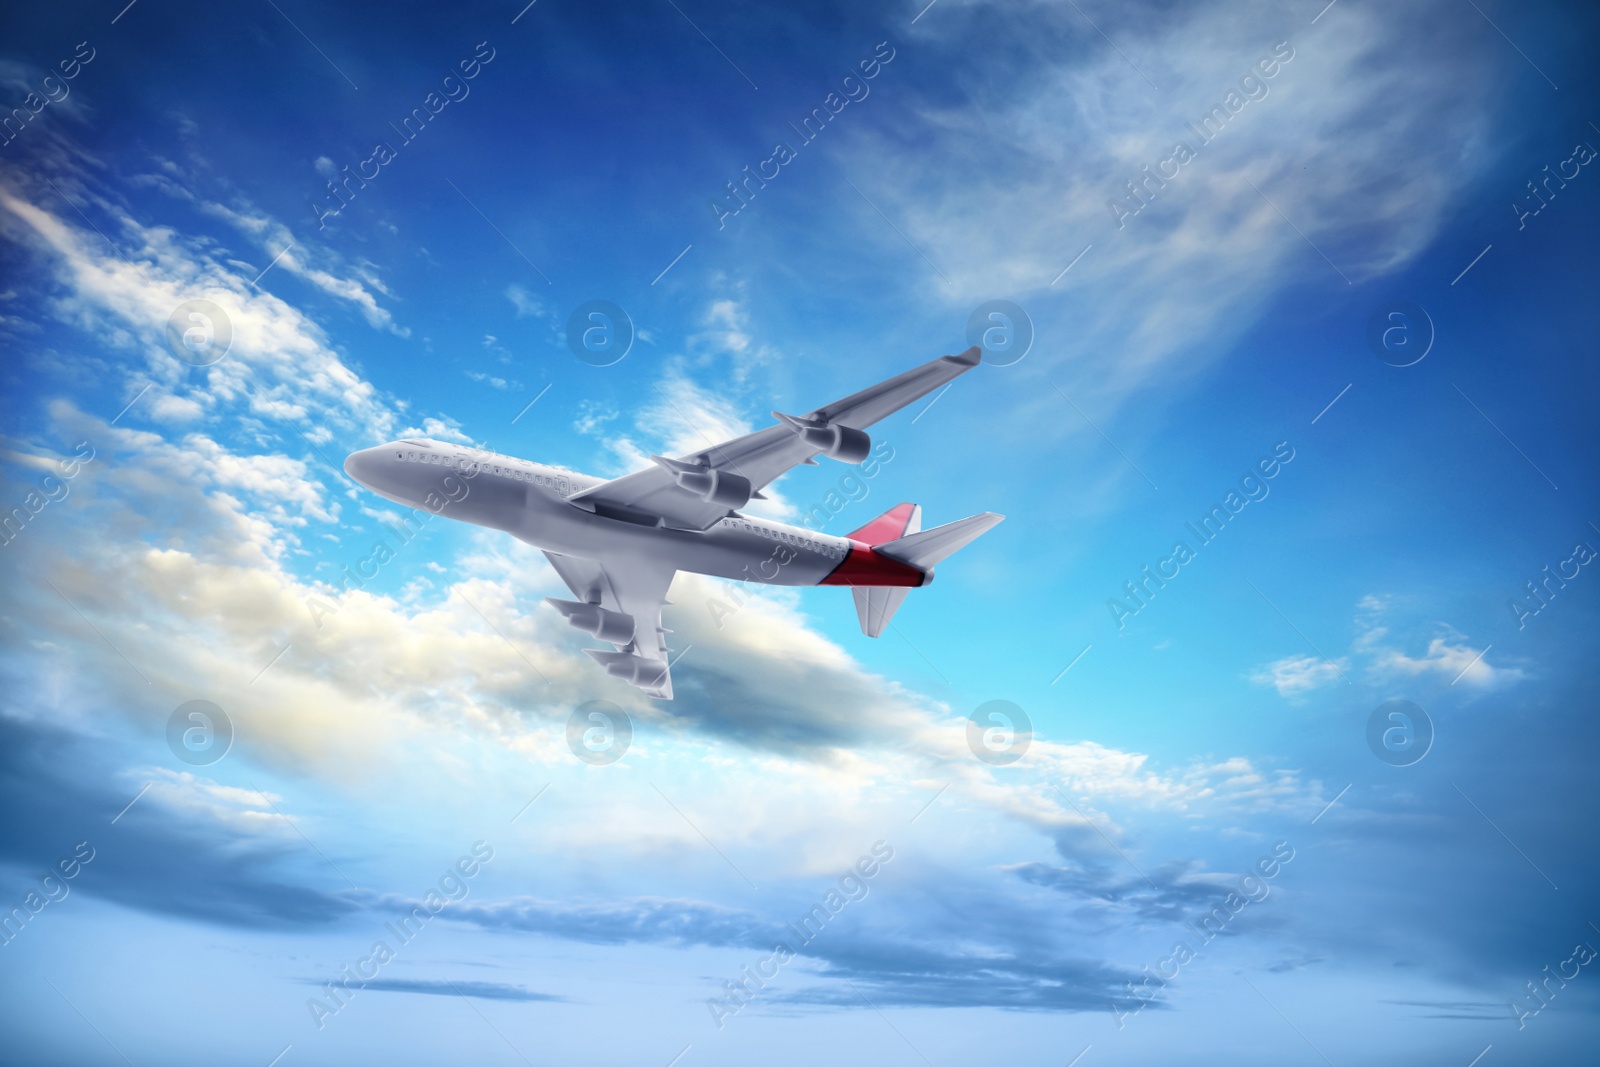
897, 522
863, 565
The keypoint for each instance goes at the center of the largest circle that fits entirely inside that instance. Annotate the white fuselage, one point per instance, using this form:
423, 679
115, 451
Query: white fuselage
529, 501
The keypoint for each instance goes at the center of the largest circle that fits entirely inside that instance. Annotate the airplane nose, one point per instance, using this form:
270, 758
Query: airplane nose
362, 465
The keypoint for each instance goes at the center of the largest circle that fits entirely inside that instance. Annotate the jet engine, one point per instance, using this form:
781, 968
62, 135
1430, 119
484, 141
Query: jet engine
635, 670
843, 443
612, 626
723, 488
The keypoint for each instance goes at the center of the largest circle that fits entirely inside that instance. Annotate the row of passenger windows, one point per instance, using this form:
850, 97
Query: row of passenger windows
461, 463
831, 551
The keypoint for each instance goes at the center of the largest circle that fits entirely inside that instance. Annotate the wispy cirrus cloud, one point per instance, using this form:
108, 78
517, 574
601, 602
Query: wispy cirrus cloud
449, 988
1300, 176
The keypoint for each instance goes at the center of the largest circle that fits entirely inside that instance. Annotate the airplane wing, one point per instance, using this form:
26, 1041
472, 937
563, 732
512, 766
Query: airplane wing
631, 589
694, 491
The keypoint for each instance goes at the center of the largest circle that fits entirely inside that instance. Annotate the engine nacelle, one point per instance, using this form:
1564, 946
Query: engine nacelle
612, 626
635, 670
723, 488
843, 443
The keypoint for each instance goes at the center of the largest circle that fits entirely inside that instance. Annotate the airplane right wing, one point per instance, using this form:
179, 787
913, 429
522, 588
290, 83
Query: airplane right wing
695, 491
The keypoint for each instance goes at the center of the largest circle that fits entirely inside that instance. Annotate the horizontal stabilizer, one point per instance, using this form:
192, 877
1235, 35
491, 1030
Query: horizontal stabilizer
926, 549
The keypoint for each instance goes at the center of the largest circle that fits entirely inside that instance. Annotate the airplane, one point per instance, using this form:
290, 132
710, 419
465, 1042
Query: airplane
619, 543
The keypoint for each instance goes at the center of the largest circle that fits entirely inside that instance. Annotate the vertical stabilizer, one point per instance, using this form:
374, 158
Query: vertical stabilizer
897, 522
876, 605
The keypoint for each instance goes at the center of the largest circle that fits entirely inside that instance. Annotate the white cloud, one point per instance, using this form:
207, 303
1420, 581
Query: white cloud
371, 680
1449, 653
1452, 660
1294, 676
684, 418
442, 429
525, 303
280, 365
191, 578
491, 381
1378, 650
19, 80
726, 333
198, 798
725, 325
282, 251
1035, 157
593, 416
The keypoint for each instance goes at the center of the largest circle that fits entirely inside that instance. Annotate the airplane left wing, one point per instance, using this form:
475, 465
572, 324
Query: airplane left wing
620, 601
695, 491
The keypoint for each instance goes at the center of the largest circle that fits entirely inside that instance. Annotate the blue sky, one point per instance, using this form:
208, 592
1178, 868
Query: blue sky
183, 530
